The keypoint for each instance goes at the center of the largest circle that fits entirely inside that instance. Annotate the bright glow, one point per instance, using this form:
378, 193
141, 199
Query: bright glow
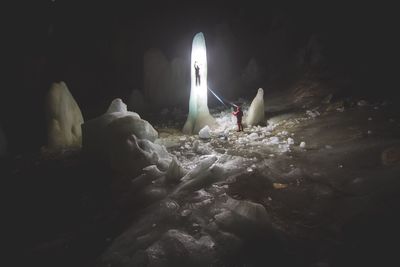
199, 115
199, 56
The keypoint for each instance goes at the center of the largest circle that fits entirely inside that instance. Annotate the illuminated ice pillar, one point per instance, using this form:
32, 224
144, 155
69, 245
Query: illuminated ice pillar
199, 115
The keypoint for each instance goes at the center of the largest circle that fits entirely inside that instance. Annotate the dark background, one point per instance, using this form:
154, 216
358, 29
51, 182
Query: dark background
97, 48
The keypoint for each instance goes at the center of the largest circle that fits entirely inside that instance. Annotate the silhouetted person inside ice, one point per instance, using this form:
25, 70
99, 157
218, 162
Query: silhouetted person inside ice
239, 114
197, 72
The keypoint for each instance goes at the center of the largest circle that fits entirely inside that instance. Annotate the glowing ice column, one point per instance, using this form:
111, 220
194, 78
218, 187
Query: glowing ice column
199, 115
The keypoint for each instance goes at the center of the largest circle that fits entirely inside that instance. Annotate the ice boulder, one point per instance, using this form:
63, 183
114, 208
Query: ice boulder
255, 114
129, 155
204, 133
253, 136
116, 134
117, 106
3, 143
64, 118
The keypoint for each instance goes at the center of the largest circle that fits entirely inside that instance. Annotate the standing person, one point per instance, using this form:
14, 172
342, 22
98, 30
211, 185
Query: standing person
197, 72
239, 114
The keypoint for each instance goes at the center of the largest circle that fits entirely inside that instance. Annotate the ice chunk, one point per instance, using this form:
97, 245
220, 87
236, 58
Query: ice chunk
253, 136
302, 144
273, 140
64, 118
204, 133
199, 115
201, 166
255, 114
175, 171
117, 106
153, 171
284, 147
130, 155
123, 139
290, 141
283, 133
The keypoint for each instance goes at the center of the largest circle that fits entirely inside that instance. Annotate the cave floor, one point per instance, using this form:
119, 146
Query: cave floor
336, 196
332, 201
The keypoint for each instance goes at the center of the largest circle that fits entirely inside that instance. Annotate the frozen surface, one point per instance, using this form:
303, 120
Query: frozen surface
64, 118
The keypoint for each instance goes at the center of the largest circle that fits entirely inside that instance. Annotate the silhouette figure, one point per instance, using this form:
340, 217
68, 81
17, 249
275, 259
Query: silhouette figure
239, 114
197, 72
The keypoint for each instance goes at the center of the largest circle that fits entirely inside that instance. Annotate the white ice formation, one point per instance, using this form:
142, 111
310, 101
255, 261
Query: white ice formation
118, 134
255, 114
64, 118
199, 115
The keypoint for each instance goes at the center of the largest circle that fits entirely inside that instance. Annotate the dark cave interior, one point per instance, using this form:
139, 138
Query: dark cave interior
327, 70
